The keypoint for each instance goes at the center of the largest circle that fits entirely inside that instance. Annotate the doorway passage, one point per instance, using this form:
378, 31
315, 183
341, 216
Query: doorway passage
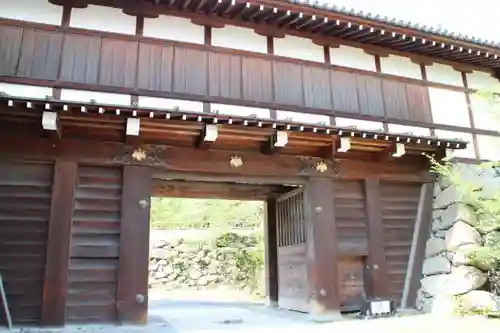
214, 250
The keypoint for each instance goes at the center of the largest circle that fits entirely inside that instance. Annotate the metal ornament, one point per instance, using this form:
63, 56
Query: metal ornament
235, 161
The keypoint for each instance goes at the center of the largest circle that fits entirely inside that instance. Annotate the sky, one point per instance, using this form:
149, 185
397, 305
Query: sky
478, 18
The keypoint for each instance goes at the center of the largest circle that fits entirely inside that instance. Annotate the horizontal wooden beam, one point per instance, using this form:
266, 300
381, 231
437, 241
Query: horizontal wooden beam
191, 160
215, 190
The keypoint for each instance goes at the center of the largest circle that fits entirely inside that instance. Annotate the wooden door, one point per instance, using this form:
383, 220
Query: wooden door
293, 286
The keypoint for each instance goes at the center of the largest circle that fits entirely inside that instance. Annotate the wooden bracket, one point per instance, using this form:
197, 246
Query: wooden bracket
275, 143
207, 137
51, 123
394, 150
132, 131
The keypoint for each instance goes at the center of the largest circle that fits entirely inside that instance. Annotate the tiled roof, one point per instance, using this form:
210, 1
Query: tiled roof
437, 31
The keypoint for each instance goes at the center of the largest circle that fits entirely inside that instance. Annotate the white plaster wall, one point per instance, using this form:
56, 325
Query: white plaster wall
449, 107
489, 147
302, 117
298, 48
482, 81
400, 66
486, 113
169, 104
99, 97
444, 74
24, 91
468, 152
242, 111
103, 19
359, 124
401, 129
352, 57
239, 38
40, 11
174, 28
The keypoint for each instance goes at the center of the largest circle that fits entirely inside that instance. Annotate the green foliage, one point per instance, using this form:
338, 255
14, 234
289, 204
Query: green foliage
176, 213
249, 259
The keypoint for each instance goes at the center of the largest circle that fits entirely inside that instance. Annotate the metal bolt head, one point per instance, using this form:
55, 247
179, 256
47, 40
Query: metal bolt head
318, 209
143, 204
139, 298
322, 292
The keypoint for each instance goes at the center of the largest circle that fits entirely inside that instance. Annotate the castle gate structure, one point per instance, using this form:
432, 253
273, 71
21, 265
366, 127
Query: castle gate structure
102, 100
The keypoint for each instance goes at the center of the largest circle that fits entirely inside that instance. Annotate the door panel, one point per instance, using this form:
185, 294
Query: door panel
293, 285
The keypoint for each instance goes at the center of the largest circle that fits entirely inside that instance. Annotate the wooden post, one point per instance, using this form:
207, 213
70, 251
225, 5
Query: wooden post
271, 254
377, 280
55, 286
134, 246
421, 233
322, 253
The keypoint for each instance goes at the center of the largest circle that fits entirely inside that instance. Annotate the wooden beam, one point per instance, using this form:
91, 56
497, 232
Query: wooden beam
322, 258
55, 286
52, 124
207, 137
377, 280
132, 290
132, 131
276, 142
190, 160
421, 234
271, 253
218, 190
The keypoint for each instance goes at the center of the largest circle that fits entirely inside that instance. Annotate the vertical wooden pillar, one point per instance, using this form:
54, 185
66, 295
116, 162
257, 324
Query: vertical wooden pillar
421, 234
376, 277
322, 253
134, 245
271, 254
58, 244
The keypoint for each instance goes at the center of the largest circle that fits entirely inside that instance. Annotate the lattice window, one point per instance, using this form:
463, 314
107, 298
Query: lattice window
291, 219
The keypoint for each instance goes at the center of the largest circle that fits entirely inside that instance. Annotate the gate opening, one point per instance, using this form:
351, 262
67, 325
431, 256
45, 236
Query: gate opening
215, 245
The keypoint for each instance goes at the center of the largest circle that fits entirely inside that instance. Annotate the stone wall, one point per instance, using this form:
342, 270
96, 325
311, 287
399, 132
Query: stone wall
447, 270
235, 262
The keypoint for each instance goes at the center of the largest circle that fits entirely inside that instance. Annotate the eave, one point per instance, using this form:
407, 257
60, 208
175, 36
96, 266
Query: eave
325, 26
104, 122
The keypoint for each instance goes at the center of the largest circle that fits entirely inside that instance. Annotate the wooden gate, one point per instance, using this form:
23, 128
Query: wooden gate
293, 286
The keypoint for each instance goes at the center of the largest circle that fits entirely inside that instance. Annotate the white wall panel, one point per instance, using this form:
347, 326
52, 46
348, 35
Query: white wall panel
169, 104
486, 113
489, 147
468, 152
40, 11
352, 57
359, 124
239, 38
174, 28
444, 74
103, 19
25, 91
400, 66
402, 129
98, 97
306, 118
449, 107
242, 111
482, 81
299, 48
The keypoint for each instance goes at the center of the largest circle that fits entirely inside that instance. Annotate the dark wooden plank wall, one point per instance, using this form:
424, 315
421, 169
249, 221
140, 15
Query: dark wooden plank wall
350, 221
399, 203
93, 266
25, 195
202, 72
